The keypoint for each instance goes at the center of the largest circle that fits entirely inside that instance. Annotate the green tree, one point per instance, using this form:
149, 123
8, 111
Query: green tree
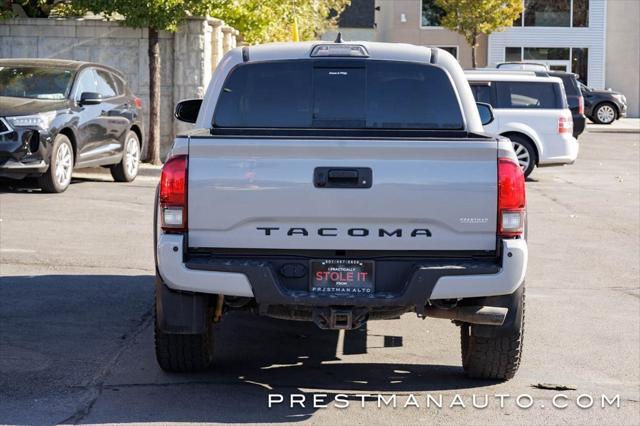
32, 8
156, 16
474, 17
261, 21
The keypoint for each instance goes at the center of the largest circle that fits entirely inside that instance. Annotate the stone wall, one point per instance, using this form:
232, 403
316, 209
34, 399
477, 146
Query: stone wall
188, 56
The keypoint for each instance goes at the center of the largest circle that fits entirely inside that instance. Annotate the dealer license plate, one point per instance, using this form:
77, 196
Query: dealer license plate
341, 276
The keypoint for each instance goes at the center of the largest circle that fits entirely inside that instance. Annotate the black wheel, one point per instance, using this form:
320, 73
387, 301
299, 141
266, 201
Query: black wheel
184, 353
497, 355
605, 113
526, 153
58, 177
127, 169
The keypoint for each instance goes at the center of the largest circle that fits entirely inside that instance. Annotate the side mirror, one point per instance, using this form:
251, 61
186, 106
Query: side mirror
486, 113
188, 110
90, 98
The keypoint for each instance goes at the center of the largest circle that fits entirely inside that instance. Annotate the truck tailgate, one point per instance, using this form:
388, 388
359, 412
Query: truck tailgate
259, 193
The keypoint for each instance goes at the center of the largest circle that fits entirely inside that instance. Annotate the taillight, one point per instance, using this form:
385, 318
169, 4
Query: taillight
511, 199
565, 125
580, 105
137, 102
173, 195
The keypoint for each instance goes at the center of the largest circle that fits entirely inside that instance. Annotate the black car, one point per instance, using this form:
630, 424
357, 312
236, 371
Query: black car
574, 98
570, 82
57, 115
603, 106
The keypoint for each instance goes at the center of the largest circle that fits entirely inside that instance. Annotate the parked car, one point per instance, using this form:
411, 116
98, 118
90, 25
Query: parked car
603, 106
59, 115
575, 100
571, 88
348, 182
532, 111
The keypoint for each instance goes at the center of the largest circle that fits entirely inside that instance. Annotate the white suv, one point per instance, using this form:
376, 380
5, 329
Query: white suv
530, 110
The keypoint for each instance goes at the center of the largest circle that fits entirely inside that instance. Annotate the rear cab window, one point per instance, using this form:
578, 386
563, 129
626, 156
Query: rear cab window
338, 94
529, 95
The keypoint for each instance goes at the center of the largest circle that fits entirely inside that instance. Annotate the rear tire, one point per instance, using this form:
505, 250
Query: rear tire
496, 357
58, 177
184, 353
525, 152
127, 169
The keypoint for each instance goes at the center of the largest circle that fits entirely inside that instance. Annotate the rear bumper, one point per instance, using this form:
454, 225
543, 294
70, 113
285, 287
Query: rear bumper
427, 280
579, 124
564, 151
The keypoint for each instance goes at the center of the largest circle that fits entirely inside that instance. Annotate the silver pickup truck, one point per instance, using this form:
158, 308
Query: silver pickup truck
340, 183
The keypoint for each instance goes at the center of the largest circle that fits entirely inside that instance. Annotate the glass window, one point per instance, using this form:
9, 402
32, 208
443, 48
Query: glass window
431, 13
569, 82
580, 13
276, 94
451, 49
482, 93
546, 53
119, 84
515, 94
86, 83
106, 86
406, 95
547, 13
340, 98
35, 82
518, 21
512, 54
580, 63
338, 94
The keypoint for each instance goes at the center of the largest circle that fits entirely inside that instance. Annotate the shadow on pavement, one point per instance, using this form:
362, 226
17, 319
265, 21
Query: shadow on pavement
30, 185
92, 335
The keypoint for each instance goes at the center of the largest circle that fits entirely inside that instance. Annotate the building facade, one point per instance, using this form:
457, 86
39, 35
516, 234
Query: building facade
622, 57
418, 22
597, 39
567, 35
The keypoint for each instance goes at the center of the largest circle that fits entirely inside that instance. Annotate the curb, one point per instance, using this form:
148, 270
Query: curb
631, 131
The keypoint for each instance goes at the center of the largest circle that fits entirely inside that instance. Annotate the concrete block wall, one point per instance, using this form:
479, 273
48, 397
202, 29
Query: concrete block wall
188, 56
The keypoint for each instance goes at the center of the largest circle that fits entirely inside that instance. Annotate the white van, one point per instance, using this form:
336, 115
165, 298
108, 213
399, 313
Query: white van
530, 110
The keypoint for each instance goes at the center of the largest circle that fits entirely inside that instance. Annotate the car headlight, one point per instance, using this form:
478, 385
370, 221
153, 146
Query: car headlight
42, 120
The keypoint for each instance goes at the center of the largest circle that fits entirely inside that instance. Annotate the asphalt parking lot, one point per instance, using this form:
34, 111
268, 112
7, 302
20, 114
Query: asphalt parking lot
76, 335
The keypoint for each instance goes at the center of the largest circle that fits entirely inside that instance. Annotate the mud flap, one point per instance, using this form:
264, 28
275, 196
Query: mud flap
514, 302
180, 312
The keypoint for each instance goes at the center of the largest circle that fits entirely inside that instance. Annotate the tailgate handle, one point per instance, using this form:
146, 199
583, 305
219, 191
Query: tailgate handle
342, 177
343, 174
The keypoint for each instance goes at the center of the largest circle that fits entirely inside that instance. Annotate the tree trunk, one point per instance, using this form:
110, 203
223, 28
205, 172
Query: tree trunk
474, 43
154, 97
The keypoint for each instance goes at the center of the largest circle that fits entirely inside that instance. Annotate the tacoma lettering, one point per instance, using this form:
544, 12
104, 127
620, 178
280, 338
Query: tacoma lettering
351, 232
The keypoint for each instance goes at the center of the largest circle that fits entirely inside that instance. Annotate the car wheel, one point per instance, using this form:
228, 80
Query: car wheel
182, 352
605, 113
493, 356
127, 169
525, 152
58, 177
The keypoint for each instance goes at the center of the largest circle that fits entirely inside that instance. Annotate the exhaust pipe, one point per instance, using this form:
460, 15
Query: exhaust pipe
485, 315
